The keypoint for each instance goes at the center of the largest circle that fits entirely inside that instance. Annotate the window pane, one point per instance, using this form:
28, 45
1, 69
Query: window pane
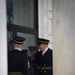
30, 40
10, 17
9, 38
21, 12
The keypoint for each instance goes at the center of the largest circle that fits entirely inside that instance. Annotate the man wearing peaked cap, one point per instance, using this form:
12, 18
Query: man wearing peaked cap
44, 57
43, 41
17, 61
32, 50
18, 40
32, 47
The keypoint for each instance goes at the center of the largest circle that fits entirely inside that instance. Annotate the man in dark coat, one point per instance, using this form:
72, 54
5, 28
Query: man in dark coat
31, 58
44, 58
17, 61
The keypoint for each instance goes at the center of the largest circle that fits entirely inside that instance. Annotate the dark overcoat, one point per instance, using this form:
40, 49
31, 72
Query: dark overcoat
17, 62
44, 62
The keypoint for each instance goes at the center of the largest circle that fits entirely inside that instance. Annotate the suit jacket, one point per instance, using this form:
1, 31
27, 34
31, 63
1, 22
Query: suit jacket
17, 62
44, 62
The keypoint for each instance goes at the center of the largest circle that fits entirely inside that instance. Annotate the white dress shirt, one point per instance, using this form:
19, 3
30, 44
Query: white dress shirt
44, 51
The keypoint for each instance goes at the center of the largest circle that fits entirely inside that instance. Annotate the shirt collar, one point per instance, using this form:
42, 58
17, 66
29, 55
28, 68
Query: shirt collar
44, 51
18, 49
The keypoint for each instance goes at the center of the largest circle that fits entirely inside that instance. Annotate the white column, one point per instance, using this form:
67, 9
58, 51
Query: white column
3, 39
45, 19
64, 37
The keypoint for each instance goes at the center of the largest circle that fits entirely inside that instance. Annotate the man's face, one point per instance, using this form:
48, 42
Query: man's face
32, 52
41, 47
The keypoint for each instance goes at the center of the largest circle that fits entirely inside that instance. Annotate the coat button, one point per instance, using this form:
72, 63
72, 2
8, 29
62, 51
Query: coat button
44, 71
44, 64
